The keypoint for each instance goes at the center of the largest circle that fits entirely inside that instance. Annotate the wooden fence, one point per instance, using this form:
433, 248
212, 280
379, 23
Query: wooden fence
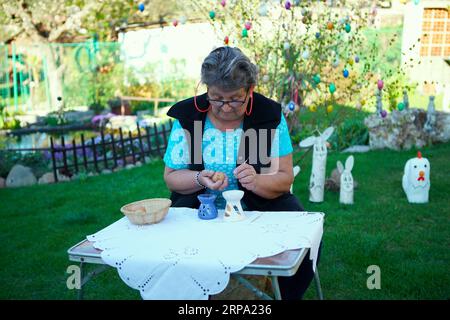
155, 101
108, 151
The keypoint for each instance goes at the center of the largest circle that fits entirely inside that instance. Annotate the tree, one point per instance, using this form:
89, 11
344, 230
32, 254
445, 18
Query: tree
307, 51
43, 22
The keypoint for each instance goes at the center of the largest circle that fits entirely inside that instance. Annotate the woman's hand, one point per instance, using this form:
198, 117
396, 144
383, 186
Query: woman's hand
205, 178
246, 175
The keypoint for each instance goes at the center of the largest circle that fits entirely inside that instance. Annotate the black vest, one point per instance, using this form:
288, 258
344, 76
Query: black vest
266, 114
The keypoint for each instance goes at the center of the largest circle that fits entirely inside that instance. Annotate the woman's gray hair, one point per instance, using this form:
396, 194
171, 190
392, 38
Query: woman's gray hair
228, 69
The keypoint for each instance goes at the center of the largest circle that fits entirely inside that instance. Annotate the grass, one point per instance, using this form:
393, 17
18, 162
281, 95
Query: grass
408, 242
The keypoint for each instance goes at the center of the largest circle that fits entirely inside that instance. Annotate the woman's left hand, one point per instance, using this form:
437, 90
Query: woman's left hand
246, 175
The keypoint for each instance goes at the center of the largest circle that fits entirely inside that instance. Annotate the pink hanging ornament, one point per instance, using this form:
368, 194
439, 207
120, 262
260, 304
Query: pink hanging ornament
380, 84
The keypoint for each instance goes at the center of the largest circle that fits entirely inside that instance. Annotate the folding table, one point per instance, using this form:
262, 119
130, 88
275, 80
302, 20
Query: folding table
281, 265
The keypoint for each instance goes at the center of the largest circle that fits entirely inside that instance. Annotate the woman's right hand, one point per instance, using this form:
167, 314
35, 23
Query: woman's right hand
205, 178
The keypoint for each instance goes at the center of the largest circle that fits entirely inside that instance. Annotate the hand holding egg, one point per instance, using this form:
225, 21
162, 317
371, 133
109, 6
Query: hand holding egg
213, 180
218, 176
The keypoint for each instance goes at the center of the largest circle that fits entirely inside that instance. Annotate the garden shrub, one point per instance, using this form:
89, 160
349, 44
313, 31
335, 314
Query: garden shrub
350, 132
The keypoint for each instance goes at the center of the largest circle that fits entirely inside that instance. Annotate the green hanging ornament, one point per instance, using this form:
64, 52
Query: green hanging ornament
212, 14
348, 28
332, 88
316, 78
244, 33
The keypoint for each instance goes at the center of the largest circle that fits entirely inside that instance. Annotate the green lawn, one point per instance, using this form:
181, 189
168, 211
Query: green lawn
410, 243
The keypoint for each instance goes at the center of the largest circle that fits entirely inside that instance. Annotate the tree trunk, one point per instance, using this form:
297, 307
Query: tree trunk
55, 79
53, 72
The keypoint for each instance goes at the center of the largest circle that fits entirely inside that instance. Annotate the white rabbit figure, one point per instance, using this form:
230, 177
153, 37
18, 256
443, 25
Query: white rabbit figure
296, 170
346, 189
416, 179
317, 179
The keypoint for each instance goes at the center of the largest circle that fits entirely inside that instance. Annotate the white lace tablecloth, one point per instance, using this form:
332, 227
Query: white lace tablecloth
184, 257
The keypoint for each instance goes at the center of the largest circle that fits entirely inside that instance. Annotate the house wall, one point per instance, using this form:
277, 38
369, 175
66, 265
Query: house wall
431, 72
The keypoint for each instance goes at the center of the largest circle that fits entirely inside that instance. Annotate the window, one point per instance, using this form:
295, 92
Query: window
435, 38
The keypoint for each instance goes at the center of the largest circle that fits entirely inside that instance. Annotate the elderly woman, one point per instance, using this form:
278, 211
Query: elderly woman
233, 138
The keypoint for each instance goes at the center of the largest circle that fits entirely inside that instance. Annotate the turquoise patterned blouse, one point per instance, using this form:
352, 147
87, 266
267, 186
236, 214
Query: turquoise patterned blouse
220, 151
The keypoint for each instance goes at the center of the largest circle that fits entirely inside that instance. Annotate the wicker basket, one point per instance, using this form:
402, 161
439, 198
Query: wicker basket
147, 211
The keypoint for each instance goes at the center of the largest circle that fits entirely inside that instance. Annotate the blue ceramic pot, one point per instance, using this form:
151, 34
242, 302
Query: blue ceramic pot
207, 209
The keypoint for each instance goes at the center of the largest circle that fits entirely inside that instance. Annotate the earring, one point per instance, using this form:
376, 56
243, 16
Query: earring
251, 105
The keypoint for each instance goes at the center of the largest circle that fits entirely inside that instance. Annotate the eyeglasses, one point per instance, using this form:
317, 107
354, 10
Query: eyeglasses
231, 103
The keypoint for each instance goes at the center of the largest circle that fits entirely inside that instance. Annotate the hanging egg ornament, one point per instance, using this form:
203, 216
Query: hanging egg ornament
248, 25
350, 61
330, 25
266, 78
332, 88
296, 2
401, 106
336, 63
312, 108
244, 33
317, 35
287, 5
183, 19
380, 84
141, 7
345, 73
226, 40
416, 2
175, 22
330, 108
363, 102
356, 59
316, 78
305, 54
263, 10
223, 3
212, 14
383, 113
286, 46
348, 28
291, 106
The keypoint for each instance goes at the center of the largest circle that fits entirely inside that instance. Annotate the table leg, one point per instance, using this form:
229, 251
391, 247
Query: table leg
276, 287
252, 288
318, 287
80, 290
